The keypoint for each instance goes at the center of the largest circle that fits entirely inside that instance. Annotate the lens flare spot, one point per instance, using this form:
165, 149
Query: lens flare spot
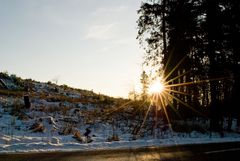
156, 87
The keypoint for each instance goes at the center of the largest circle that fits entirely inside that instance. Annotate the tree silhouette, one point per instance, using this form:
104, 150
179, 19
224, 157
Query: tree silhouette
200, 38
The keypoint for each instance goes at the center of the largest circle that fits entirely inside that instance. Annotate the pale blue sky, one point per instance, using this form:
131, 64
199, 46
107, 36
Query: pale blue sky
87, 44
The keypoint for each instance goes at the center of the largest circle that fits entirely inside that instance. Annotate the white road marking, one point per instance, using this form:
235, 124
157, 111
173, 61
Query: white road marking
221, 151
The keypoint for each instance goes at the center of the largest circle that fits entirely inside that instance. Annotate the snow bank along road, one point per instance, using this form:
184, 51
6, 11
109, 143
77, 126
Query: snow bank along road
195, 152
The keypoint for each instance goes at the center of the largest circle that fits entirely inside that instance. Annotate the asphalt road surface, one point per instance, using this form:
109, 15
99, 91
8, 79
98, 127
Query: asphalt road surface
200, 152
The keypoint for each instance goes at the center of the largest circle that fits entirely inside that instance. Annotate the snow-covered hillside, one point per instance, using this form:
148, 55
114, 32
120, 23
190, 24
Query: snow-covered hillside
61, 118
16, 136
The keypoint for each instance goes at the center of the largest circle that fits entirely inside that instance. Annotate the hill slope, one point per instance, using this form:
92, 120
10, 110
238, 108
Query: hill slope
37, 116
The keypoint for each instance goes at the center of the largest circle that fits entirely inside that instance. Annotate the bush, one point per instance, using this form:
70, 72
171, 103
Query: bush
186, 128
4, 74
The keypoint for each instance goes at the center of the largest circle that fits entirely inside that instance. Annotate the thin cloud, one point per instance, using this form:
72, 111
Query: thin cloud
106, 11
101, 32
123, 41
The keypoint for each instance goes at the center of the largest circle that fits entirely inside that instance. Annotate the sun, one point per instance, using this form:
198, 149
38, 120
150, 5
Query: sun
158, 93
157, 86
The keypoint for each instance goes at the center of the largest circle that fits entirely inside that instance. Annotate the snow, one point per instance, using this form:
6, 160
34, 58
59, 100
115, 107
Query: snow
20, 139
37, 144
24, 141
16, 136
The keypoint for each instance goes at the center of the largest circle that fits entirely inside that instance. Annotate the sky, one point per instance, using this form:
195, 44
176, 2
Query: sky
84, 44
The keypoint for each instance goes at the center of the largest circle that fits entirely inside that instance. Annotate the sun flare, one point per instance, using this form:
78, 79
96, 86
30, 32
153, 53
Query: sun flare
157, 86
169, 93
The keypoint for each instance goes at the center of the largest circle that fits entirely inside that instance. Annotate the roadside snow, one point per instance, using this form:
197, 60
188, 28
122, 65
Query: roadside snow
15, 135
13, 144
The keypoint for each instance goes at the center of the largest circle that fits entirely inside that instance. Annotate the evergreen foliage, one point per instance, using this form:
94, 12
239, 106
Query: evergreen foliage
199, 38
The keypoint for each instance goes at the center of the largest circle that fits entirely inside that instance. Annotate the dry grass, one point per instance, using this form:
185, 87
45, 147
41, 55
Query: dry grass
16, 93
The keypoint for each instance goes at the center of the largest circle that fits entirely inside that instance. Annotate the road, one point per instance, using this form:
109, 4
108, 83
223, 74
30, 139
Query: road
201, 152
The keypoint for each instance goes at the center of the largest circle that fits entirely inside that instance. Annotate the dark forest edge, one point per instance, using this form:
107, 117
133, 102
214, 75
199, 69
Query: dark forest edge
199, 39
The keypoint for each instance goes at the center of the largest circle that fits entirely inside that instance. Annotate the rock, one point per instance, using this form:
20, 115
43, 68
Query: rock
55, 140
37, 127
77, 136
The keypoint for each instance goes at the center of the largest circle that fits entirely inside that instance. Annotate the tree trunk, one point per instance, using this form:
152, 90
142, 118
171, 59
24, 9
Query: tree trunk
214, 112
164, 25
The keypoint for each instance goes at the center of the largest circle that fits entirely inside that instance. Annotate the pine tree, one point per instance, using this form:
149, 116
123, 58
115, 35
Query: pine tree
145, 84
